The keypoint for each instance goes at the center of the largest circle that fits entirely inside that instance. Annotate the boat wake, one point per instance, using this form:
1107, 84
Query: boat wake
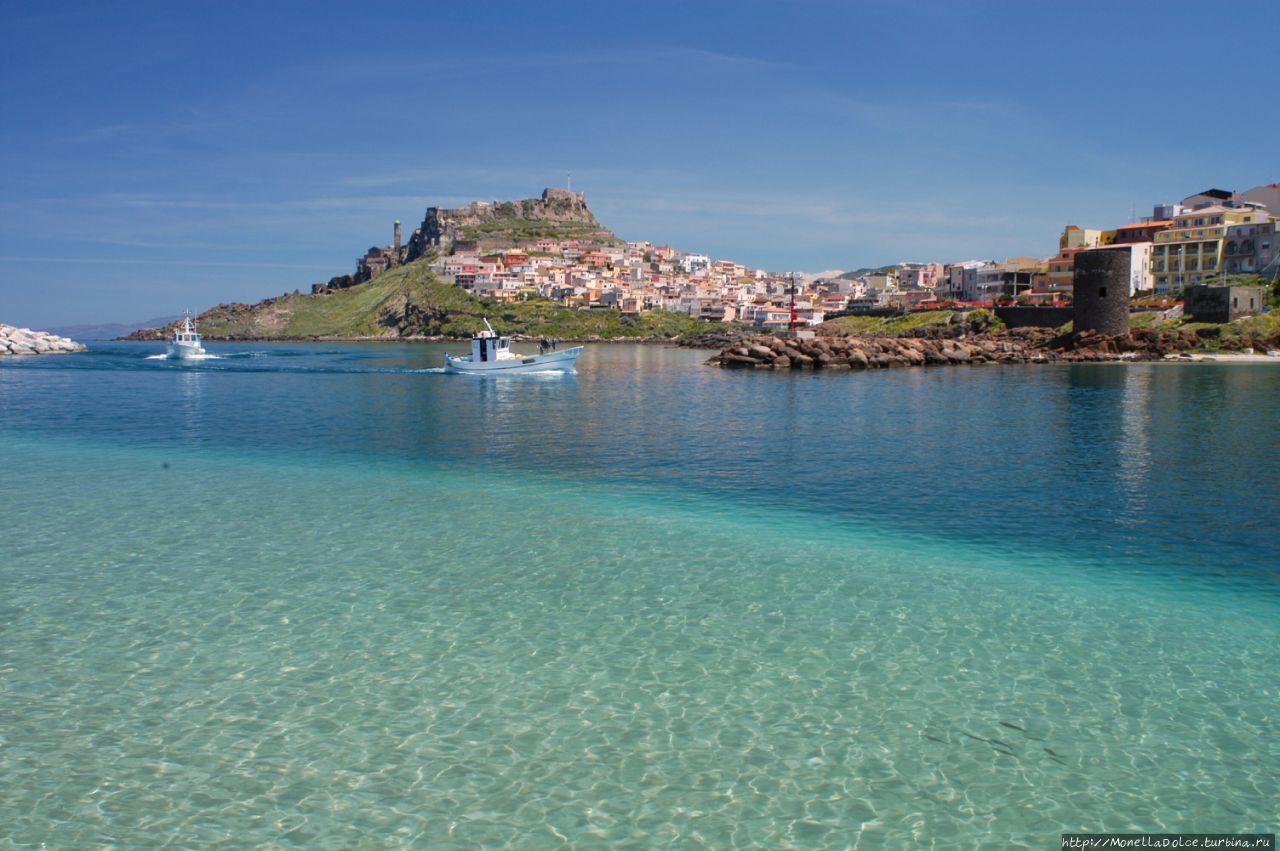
187, 358
512, 375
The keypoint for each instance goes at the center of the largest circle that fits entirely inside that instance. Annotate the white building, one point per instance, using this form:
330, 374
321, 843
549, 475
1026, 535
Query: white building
961, 278
987, 282
1253, 248
1140, 277
1268, 196
695, 263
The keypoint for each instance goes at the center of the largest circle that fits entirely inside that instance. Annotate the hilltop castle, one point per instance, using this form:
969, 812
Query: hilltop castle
479, 224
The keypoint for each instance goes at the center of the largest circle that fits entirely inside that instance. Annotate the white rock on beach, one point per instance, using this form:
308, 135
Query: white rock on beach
24, 341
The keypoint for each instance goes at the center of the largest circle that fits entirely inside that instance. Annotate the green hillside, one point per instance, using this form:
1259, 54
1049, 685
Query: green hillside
888, 325
408, 301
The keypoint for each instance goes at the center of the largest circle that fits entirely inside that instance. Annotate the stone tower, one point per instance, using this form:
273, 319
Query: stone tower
1101, 297
395, 246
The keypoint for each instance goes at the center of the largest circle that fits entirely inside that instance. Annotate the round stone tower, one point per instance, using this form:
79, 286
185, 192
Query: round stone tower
1101, 297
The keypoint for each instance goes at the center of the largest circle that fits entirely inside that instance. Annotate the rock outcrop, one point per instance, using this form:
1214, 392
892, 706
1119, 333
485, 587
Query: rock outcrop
1022, 345
24, 341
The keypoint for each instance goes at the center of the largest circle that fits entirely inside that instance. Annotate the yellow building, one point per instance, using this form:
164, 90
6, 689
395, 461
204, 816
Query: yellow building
1024, 264
1077, 237
886, 281
1190, 252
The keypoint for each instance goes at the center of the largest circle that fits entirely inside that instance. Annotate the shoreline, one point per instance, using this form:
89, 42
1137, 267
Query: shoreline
674, 341
1189, 356
1219, 357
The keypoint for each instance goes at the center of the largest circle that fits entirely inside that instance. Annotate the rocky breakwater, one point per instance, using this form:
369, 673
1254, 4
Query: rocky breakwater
1022, 345
24, 341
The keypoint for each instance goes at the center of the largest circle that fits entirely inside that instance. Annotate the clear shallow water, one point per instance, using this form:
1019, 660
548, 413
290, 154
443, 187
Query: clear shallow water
650, 604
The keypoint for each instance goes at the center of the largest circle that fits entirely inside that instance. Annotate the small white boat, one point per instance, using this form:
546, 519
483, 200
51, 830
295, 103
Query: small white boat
492, 355
185, 342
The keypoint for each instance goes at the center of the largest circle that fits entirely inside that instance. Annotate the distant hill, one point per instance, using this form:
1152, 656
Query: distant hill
408, 301
827, 275
108, 330
869, 270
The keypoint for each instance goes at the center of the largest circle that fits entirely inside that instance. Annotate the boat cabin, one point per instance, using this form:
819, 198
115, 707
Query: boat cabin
487, 346
186, 332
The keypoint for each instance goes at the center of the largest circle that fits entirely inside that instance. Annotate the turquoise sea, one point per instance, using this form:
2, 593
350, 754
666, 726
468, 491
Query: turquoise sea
325, 596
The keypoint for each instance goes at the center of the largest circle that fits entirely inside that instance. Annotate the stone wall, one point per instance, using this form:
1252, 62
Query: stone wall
1221, 304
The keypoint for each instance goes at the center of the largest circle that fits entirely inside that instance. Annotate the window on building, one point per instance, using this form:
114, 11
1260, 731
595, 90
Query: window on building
1102, 292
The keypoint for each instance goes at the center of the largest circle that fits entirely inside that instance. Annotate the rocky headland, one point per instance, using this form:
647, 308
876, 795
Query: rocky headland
950, 347
394, 295
408, 302
24, 341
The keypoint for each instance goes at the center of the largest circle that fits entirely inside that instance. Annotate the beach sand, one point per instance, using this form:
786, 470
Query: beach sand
1225, 357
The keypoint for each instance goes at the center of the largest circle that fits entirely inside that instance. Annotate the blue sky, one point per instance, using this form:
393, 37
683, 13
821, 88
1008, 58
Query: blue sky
158, 156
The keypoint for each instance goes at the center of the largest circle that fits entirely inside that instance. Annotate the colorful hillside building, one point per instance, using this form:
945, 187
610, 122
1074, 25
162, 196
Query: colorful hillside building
1192, 251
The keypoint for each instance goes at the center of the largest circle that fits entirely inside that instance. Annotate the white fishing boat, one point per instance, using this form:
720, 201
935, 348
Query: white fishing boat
491, 354
185, 342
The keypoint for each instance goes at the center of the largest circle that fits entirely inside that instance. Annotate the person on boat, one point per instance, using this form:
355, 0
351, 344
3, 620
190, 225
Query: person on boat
555, 343
543, 345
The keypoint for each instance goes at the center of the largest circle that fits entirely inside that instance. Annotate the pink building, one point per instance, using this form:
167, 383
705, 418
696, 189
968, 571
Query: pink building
926, 276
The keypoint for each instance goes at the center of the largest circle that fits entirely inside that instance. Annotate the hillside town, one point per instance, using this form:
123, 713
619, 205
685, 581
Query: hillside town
1197, 241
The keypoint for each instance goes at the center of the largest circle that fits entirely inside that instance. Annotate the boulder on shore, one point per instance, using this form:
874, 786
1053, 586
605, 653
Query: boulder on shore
24, 341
